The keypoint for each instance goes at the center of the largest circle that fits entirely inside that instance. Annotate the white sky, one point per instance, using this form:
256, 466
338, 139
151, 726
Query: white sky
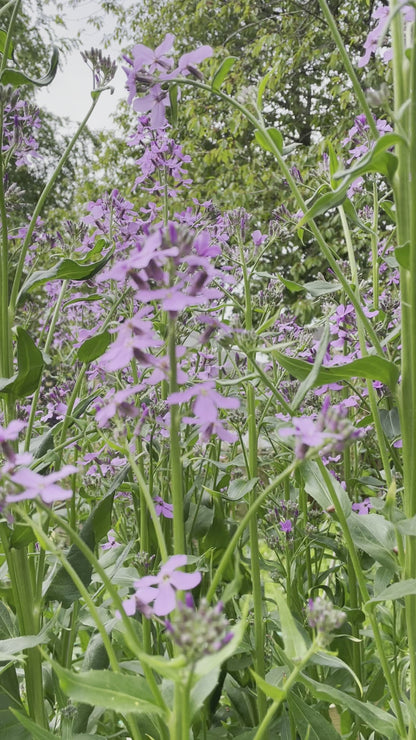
69, 93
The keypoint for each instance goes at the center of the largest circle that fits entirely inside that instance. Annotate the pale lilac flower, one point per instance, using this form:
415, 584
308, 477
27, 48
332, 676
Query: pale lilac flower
161, 589
187, 63
155, 102
162, 508
10, 434
154, 60
44, 486
207, 402
286, 526
111, 537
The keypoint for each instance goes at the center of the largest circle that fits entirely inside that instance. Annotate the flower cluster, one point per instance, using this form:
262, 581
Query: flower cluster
330, 430
324, 617
199, 632
149, 68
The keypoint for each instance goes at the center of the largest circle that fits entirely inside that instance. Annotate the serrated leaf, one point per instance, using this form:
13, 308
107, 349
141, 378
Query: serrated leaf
110, 690
94, 347
372, 368
222, 72
274, 134
16, 77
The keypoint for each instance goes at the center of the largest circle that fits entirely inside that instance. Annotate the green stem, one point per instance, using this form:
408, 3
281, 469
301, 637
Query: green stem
290, 681
176, 481
29, 624
368, 606
41, 202
349, 68
253, 508
300, 202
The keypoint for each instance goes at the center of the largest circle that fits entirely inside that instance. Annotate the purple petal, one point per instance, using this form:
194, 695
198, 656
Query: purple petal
176, 561
165, 46
165, 601
185, 581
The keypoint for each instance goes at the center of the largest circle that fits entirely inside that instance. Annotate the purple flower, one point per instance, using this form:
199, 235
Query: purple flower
362, 507
44, 486
111, 536
143, 56
162, 508
207, 402
187, 63
161, 589
9, 434
155, 102
286, 526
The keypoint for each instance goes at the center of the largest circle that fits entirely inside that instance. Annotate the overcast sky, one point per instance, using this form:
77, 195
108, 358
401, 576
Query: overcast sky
69, 94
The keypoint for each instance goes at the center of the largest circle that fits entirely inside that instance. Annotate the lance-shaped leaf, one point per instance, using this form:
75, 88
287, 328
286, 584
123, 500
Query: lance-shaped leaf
29, 364
66, 269
17, 78
371, 367
110, 690
222, 72
274, 134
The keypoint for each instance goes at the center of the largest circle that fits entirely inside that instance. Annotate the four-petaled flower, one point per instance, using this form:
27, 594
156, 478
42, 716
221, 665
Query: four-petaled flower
34, 484
161, 589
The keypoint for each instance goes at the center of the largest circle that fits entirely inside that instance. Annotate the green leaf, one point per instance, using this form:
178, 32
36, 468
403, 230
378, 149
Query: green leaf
295, 646
371, 714
310, 379
351, 214
373, 534
376, 160
310, 723
36, 732
372, 368
262, 88
16, 77
173, 104
390, 421
222, 73
290, 284
274, 134
16, 645
97, 525
239, 488
115, 691
319, 288
94, 347
3, 37
398, 590
30, 366
65, 269
273, 692
316, 487
402, 255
